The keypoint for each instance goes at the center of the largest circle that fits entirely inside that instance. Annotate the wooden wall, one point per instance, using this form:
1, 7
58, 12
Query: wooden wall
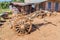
53, 6
54, 0
49, 5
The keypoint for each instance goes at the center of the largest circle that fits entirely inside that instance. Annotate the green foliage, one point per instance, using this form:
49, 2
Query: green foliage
4, 10
4, 5
18, 0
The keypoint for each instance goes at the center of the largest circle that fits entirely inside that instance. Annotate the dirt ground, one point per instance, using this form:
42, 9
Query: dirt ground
45, 30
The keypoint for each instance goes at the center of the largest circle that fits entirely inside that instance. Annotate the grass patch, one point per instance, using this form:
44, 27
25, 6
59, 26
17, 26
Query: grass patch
4, 10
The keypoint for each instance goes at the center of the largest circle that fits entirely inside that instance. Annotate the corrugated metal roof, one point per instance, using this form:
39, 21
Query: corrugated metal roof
27, 2
34, 1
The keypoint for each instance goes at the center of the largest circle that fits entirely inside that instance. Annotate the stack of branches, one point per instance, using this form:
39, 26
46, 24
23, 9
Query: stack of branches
20, 24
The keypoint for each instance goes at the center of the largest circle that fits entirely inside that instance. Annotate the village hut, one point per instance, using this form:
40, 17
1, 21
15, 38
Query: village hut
33, 5
27, 7
52, 5
17, 7
36, 3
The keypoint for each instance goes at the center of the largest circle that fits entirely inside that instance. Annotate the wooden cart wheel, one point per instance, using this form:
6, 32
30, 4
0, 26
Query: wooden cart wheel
24, 27
28, 27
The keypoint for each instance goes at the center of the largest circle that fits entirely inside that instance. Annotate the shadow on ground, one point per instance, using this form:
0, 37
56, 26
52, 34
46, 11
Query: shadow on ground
37, 26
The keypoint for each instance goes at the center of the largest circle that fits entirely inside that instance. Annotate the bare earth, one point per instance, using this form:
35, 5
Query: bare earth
46, 31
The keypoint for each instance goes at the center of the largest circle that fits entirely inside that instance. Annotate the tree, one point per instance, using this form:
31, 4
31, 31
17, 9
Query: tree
4, 5
18, 0
0, 6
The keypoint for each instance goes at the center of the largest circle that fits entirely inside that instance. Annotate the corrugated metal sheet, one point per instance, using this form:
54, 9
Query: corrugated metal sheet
34, 1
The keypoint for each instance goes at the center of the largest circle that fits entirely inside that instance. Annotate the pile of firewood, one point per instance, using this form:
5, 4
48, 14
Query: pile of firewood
20, 24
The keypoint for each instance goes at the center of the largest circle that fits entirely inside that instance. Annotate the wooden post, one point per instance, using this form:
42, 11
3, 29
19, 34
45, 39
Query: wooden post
59, 7
22, 9
53, 6
37, 7
46, 6
27, 9
30, 8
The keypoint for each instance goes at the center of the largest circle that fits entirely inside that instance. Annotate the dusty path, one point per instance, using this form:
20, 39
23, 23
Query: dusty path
46, 31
